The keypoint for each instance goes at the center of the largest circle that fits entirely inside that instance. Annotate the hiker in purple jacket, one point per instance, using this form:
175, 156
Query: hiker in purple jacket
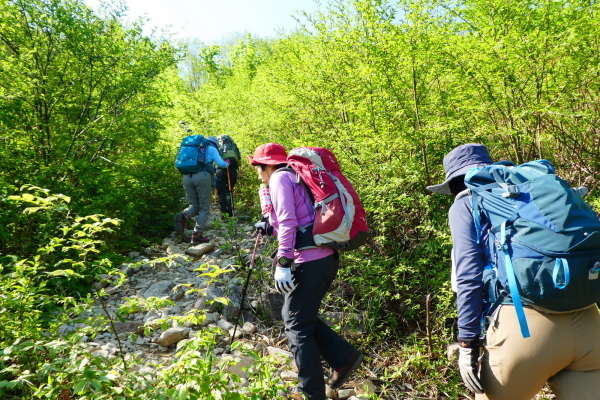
563, 350
303, 273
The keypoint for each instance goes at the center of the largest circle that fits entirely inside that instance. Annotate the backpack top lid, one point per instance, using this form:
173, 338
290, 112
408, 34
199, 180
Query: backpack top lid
318, 156
545, 212
316, 167
194, 140
225, 138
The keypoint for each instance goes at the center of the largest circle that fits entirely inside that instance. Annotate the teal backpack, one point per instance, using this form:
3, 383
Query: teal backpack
191, 156
544, 238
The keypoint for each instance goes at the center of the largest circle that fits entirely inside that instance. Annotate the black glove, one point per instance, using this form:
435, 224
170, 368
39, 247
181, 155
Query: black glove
263, 227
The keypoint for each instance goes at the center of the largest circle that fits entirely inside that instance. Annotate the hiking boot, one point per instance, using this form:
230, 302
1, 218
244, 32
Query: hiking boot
197, 238
180, 222
342, 374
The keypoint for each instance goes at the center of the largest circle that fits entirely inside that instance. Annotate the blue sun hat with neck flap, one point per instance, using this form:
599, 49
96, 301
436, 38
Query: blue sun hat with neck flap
459, 161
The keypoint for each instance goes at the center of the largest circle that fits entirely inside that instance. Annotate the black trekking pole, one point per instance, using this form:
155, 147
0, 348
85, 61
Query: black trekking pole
230, 193
250, 268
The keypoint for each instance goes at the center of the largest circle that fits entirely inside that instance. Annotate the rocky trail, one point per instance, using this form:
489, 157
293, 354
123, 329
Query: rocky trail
192, 278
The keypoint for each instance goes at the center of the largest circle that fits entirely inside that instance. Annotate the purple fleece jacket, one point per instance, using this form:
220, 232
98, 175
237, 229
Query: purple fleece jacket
292, 207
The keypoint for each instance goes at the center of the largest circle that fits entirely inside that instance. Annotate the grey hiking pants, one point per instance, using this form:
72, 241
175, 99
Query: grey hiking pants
309, 337
198, 192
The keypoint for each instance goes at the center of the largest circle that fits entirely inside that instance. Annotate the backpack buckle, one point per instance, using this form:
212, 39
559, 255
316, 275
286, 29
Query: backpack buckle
511, 191
594, 271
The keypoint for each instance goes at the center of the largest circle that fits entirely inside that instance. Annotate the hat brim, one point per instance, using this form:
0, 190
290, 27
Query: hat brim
270, 161
444, 187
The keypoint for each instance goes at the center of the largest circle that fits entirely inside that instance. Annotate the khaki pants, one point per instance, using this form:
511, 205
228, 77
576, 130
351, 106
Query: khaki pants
563, 350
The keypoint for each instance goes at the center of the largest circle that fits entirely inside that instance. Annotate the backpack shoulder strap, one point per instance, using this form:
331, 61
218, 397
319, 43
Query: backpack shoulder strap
466, 192
475, 209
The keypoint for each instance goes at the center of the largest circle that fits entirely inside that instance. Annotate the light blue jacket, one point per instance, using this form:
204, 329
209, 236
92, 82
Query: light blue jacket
212, 155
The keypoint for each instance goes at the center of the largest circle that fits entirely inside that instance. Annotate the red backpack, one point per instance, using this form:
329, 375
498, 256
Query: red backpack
340, 219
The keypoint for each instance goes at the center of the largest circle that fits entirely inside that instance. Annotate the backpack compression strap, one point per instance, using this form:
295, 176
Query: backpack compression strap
512, 284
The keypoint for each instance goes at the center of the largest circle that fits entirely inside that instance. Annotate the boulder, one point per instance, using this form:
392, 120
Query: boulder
172, 336
200, 250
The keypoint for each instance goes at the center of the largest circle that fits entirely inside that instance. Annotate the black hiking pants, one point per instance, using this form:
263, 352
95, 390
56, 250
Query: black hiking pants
222, 185
310, 338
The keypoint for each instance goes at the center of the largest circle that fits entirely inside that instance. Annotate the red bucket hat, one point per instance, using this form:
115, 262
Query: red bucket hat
269, 154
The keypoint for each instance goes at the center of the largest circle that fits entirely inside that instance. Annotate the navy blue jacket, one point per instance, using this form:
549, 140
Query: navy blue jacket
469, 259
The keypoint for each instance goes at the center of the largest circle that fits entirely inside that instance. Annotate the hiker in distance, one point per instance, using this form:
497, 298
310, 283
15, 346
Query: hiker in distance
303, 273
195, 162
561, 349
226, 178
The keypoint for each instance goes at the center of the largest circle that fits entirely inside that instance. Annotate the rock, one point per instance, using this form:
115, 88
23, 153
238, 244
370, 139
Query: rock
216, 253
172, 336
289, 375
160, 266
102, 282
140, 340
211, 293
249, 327
134, 254
234, 295
173, 249
345, 393
240, 368
224, 324
101, 353
200, 249
128, 326
452, 351
178, 295
282, 356
128, 269
159, 289
210, 318
218, 350
330, 393
274, 304
180, 259
151, 316
365, 387
112, 290
237, 331
65, 329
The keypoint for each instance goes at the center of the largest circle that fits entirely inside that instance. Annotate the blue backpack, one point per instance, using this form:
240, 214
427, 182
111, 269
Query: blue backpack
191, 156
544, 238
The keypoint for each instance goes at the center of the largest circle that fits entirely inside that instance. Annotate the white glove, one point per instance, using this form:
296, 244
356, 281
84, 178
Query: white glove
468, 363
283, 280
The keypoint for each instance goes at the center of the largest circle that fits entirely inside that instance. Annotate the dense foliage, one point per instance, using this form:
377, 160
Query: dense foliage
88, 111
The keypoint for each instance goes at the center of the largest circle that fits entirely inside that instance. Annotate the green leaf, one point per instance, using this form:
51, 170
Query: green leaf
222, 300
28, 197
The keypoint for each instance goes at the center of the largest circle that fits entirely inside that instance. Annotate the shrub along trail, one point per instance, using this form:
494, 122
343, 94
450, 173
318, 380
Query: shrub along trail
175, 294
